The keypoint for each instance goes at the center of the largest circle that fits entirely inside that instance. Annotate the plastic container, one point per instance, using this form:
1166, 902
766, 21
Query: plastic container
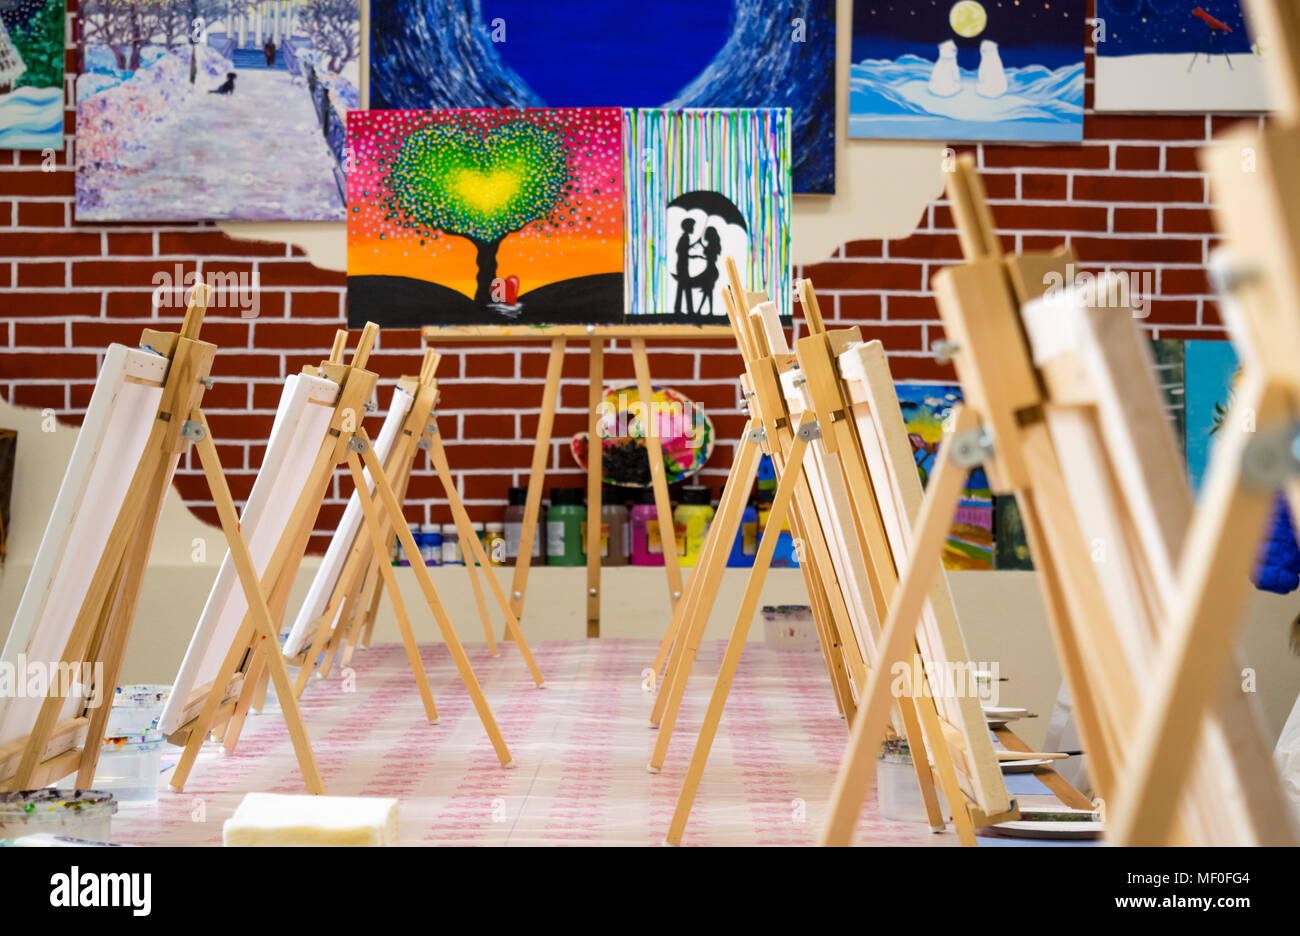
785, 556
518, 499
83, 814
745, 546
789, 627
647, 550
691, 520
136, 708
494, 543
129, 766
564, 525
431, 544
898, 796
615, 535
451, 554
402, 558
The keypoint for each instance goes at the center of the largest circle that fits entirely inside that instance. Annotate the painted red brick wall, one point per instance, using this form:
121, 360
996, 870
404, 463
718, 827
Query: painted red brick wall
1130, 198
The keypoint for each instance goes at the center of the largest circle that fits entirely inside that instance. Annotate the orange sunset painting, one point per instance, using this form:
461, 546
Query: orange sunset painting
485, 217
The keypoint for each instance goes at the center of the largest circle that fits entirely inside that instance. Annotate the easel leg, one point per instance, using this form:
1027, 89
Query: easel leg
375, 526
454, 647
257, 606
749, 604
921, 765
713, 559
537, 477
858, 766
373, 611
595, 477
472, 569
658, 479
438, 458
937, 745
695, 611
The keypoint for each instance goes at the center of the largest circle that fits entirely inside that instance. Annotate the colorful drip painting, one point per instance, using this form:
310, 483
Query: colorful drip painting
245, 123
1170, 55
485, 217
998, 70
31, 74
925, 407
703, 186
1212, 373
672, 54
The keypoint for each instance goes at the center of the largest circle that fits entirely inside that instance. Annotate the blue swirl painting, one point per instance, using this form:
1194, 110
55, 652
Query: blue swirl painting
969, 70
672, 54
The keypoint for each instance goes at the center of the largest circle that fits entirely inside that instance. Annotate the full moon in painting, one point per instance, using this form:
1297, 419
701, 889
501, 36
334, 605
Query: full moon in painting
968, 18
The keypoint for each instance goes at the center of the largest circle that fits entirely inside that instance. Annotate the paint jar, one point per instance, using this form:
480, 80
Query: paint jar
898, 795
745, 546
402, 558
691, 521
431, 544
644, 521
789, 627
494, 543
615, 535
467, 551
136, 708
82, 814
518, 499
564, 526
129, 766
451, 545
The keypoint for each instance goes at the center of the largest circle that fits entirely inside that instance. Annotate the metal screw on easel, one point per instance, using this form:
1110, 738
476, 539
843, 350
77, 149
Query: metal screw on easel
591, 592
518, 595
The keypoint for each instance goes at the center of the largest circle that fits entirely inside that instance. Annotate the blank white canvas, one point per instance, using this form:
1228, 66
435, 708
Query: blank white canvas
109, 447
331, 567
301, 423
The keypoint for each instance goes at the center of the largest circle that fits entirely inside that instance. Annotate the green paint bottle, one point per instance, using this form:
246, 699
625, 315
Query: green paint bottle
566, 522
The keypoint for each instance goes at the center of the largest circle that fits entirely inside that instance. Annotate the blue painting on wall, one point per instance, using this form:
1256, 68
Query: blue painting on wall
1176, 55
673, 54
970, 70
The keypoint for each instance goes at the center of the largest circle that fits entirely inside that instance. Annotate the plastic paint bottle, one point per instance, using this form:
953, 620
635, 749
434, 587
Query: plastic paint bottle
518, 499
564, 525
467, 549
615, 535
691, 520
451, 545
495, 543
745, 546
646, 547
402, 558
431, 544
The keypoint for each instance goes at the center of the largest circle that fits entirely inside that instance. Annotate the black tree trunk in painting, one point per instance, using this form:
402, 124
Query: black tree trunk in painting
487, 269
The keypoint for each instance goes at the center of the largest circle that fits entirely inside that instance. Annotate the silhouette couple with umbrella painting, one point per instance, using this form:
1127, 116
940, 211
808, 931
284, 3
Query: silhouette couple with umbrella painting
707, 247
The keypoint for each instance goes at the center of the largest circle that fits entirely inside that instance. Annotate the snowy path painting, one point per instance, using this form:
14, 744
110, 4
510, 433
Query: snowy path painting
967, 71
247, 123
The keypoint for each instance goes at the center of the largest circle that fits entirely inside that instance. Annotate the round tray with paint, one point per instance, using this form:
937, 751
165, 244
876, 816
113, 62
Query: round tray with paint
685, 435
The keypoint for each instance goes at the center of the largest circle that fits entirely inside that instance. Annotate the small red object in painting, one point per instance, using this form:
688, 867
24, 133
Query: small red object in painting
512, 290
1211, 21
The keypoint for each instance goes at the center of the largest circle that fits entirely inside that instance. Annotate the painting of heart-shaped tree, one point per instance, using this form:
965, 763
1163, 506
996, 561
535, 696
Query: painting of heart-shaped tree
473, 217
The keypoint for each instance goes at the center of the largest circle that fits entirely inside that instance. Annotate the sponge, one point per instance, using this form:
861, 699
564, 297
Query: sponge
274, 819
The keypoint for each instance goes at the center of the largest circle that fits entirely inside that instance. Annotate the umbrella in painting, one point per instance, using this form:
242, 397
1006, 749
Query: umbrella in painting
704, 227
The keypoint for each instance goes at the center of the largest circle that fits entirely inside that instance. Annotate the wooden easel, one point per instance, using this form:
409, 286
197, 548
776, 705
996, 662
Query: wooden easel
1254, 459
596, 336
103, 624
361, 581
347, 441
839, 517
1056, 436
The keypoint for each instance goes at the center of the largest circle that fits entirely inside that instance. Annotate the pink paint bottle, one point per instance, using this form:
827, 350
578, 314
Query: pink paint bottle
647, 549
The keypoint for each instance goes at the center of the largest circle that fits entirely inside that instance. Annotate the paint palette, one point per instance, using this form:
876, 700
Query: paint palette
685, 434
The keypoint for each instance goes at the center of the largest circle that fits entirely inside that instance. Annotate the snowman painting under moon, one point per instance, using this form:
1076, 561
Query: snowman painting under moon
970, 70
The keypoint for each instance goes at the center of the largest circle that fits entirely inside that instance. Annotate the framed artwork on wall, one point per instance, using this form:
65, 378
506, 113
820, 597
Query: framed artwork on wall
672, 54
1166, 55
237, 113
970, 70
31, 74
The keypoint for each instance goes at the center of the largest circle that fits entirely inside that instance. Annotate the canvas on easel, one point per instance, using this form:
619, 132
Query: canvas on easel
76, 613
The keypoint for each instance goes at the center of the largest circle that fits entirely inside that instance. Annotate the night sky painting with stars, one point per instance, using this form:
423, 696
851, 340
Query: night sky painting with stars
958, 70
1177, 55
